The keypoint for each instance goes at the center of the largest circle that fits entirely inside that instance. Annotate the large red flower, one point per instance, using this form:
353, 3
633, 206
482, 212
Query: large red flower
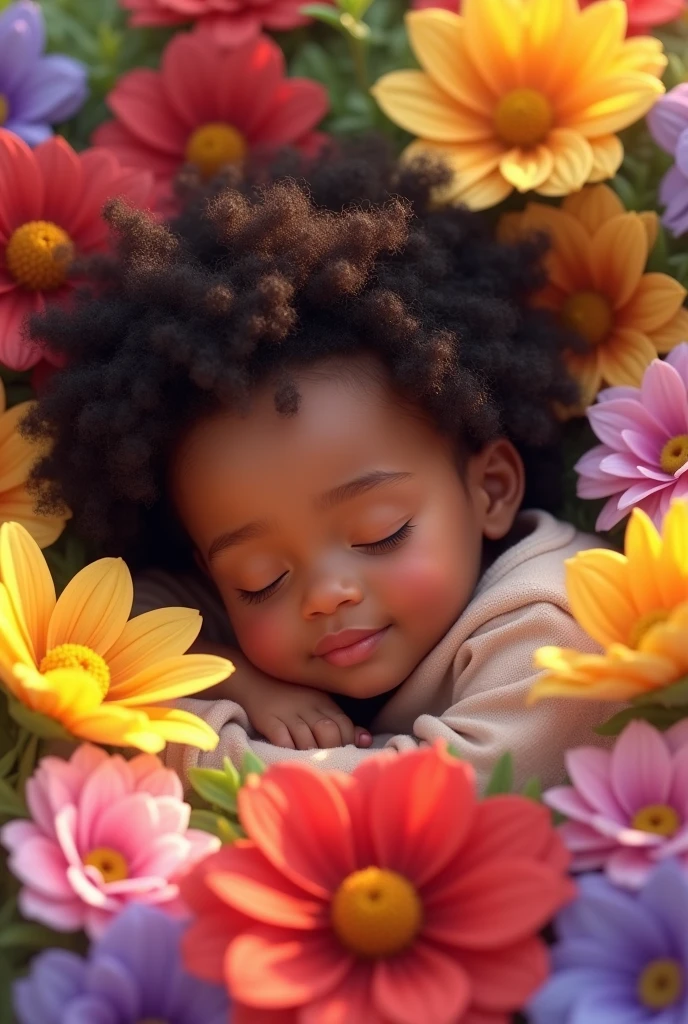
230, 22
390, 896
50, 205
209, 107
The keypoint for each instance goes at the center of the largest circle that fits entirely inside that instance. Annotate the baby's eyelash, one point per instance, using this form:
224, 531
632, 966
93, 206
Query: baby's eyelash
256, 596
387, 543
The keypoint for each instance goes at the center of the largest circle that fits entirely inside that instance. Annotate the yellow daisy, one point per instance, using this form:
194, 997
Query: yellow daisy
78, 661
635, 606
598, 285
17, 456
523, 94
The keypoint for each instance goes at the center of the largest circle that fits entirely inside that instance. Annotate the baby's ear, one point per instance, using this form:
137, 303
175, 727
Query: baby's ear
499, 476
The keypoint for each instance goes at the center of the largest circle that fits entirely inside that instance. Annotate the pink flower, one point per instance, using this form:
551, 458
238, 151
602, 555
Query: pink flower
643, 458
627, 808
105, 832
228, 22
644, 15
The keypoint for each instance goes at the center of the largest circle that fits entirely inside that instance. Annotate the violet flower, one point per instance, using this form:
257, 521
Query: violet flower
622, 958
133, 973
36, 91
668, 124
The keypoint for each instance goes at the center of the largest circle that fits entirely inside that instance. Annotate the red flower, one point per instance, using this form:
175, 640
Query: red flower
644, 15
390, 896
209, 107
50, 207
229, 22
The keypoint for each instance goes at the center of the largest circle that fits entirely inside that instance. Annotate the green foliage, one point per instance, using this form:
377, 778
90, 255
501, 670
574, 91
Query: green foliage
661, 708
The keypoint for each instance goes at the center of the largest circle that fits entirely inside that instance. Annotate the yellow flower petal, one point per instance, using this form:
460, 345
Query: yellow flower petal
606, 109
493, 40
625, 357
671, 334
486, 193
568, 261
147, 638
655, 301
62, 694
674, 556
413, 100
181, 727
593, 206
621, 674
573, 160
170, 679
30, 587
650, 222
17, 506
17, 455
474, 169
94, 606
526, 169
597, 587
437, 39
670, 640
116, 726
643, 548
585, 369
642, 53
13, 646
608, 154
618, 258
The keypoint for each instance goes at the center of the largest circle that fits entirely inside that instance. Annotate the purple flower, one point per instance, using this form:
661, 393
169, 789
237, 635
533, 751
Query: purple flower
133, 973
668, 123
627, 808
643, 458
622, 958
35, 91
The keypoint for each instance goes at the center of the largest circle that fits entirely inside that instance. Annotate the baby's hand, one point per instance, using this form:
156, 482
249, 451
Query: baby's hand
299, 717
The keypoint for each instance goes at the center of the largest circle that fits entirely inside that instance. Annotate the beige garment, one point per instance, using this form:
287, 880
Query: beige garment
470, 689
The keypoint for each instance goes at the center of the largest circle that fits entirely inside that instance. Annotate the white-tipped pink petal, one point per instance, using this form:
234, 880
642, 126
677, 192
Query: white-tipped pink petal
590, 771
610, 515
663, 394
641, 768
629, 868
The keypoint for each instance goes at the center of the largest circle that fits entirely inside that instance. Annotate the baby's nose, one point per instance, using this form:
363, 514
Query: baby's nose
327, 594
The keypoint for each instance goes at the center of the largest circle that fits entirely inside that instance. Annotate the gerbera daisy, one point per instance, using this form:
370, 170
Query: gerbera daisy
522, 94
17, 456
635, 606
50, 208
209, 107
78, 661
390, 895
228, 22
599, 288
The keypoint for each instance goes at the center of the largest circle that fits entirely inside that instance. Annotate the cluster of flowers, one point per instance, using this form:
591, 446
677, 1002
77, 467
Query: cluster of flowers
398, 894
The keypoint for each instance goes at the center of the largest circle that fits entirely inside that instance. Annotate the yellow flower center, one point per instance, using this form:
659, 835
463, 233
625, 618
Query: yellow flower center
674, 454
111, 864
645, 623
39, 255
4, 109
78, 656
376, 912
659, 819
661, 984
524, 117
213, 146
590, 315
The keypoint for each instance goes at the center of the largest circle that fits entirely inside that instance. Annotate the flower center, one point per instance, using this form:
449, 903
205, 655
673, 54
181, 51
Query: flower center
213, 146
645, 623
4, 109
590, 315
660, 819
376, 912
78, 656
39, 255
674, 454
111, 864
661, 984
524, 117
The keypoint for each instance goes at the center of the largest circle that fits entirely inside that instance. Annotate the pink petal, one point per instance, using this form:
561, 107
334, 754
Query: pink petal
610, 515
678, 796
162, 857
64, 916
610, 419
677, 736
664, 395
15, 833
569, 802
39, 863
89, 893
590, 771
678, 358
629, 868
105, 789
644, 446
423, 984
65, 831
641, 768
580, 838
638, 492
677, 846
128, 826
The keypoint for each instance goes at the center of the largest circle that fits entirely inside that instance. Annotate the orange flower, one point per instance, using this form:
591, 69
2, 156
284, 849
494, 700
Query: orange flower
599, 287
388, 896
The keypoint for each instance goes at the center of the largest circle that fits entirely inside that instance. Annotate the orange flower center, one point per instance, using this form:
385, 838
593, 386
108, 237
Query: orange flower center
376, 912
111, 864
659, 819
39, 255
78, 656
674, 454
524, 117
660, 984
4, 108
590, 315
645, 623
213, 146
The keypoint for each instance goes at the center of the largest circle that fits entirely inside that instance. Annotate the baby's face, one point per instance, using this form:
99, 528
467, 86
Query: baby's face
342, 540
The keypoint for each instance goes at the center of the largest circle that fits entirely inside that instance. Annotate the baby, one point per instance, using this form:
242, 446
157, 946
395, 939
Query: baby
323, 415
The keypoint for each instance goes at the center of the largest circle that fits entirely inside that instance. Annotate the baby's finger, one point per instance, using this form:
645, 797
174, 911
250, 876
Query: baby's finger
326, 732
302, 735
363, 738
277, 733
345, 727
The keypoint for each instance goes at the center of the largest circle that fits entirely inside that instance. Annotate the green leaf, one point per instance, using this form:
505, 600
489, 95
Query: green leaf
251, 765
26, 936
216, 825
658, 716
533, 789
40, 725
231, 773
322, 12
215, 787
11, 804
674, 696
502, 778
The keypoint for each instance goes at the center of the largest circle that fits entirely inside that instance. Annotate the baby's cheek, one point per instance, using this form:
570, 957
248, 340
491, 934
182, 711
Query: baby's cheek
422, 586
266, 640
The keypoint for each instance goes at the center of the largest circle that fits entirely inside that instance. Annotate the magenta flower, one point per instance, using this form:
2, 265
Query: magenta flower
627, 808
105, 832
668, 124
643, 458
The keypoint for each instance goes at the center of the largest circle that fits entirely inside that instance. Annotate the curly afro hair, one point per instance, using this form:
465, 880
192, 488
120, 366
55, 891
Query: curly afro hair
261, 275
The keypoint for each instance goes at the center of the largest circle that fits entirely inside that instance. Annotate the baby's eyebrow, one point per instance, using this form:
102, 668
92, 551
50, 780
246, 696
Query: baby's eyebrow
361, 484
229, 540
